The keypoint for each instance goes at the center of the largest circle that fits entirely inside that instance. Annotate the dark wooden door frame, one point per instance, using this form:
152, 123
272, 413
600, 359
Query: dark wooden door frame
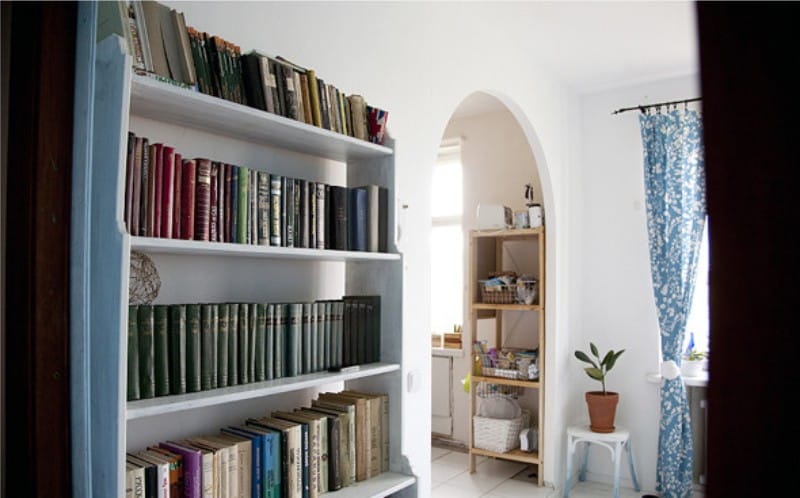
39, 173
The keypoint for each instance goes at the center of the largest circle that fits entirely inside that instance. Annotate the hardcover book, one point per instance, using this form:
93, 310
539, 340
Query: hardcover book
192, 467
251, 341
161, 339
264, 218
175, 461
147, 352
269, 340
202, 215
341, 473
208, 346
363, 436
292, 451
129, 166
311, 452
280, 339
357, 219
177, 196
133, 353
177, 348
158, 185
307, 344
213, 224
136, 196
256, 443
294, 341
193, 348
188, 173
275, 210
355, 455
331, 459
338, 218
242, 207
223, 323
244, 343
261, 342
167, 191
251, 75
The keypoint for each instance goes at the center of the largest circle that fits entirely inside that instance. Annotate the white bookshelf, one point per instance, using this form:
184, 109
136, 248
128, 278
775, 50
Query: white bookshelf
125, 101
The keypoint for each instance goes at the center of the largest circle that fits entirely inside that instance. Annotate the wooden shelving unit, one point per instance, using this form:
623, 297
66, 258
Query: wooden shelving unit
489, 252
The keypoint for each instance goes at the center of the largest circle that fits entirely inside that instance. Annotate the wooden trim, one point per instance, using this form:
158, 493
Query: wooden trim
38, 264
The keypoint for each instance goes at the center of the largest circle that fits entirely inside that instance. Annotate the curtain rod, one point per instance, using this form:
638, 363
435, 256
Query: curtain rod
659, 104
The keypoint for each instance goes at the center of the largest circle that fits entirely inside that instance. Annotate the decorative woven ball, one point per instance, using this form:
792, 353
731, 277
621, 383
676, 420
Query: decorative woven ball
144, 282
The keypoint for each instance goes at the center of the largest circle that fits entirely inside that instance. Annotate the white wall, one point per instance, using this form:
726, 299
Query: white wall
498, 162
611, 297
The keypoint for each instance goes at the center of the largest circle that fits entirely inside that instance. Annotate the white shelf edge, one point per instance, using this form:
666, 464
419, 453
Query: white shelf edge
699, 381
189, 401
448, 352
376, 487
164, 102
199, 248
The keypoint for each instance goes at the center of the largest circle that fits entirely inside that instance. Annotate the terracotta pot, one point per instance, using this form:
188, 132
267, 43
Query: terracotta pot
602, 410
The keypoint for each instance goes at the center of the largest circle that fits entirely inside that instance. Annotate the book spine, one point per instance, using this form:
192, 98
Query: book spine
261, 342
129, 166
357, 219
147, 379
221, 234
213, 225
263, 208
177, 348
193, 348
188, 199
136, 194
207, 346
291, 216
275, 210
161, 339
233, 344
242, 221
202, 215
319, 334
251, 341
320, 215
305, 98
234, 222
313, 90
244, 343
253, 212
177, 184
133, 353
222, 345
269, 342
325, 117
264, 79
158, 187
307, 345
338, 213
228, 200
312, 215
280, 340
144, 188
276, 86
167, 191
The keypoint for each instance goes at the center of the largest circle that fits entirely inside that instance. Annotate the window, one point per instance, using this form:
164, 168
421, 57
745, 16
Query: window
698, 324
447, 246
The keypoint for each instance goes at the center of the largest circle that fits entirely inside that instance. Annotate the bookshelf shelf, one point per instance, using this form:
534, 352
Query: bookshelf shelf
506, 307
514, 455
377, 487
189, 401
512, 233
168, 103
201, 248
530, 384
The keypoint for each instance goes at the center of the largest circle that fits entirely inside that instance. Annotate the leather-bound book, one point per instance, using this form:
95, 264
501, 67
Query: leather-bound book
202, 201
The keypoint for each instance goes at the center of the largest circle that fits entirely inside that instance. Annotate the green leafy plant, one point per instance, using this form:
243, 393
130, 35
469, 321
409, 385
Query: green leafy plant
599, 368
695, 355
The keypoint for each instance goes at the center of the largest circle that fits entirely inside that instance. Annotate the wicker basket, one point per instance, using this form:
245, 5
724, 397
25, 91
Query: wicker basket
498, 435
499, 294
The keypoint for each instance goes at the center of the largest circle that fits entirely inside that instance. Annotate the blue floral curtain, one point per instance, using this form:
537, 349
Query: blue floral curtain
674, 175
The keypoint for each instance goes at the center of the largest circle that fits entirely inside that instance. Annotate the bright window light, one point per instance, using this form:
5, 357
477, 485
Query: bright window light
698, 322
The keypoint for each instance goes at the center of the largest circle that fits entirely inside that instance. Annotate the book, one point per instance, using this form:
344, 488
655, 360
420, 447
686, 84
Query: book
167, 474
307, 345
149, 190
161, 348
313, 91
269, 341
186, 57
253, 213
311, 450
288, 195
314, 359
305, 98
363, 441
291, 451
129, 166
320, 445
133, 392
208, 346
177, 348
324, 107
271, 461
223, 324
256, 471
158, 187
167, 191
251, 341
193, 349
321, 215
323, 361
358, 111
369, 327
242, 208
251, 77
112, 18
177, 196
302, 210
336, 446
136, 196
213, 223
229, 203
151, 484
146, 340
338, 217
264, 219
357, 219
221, 194
175, 462
202, 203
244, 343
215, 466
347, 412
228, 454
152, 20
377, 419
233, 344
135, 476
188, 176
192, 467
244, 448
279, 321
294, 340
275, 210
261, 342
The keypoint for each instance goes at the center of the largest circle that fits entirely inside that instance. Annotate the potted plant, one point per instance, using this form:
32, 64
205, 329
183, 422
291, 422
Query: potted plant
693, 362
602, 404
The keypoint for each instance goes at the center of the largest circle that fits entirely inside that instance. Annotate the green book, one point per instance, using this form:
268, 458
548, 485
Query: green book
319, 314
233, 344
244, 343
177, 348
161, 339
193, 348
312, 330
279, 322
133, 352
147, 374
207, 346
269, 341
307, 344
222, 344
251, 342
294, 341
261, 344
214, 344
243, 207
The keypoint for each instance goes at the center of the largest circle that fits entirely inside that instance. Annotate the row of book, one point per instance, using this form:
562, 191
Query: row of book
340, 439
169, 196
162, 44
180, 348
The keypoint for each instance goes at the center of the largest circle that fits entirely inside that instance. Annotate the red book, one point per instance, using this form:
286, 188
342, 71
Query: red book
202, 201
142, 196
176, 212
151, 191
214, 212
167, 191
187, 199
129, 165
159, 189
226, 229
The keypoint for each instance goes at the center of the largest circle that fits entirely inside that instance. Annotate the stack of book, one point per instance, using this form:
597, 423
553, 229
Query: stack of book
164, 47
340, 439
170, 196
180, 348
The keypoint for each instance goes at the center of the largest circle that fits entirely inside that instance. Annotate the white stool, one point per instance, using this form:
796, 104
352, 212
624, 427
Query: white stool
614, 442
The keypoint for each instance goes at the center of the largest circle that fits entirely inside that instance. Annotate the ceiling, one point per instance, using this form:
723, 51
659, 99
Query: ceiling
600, 45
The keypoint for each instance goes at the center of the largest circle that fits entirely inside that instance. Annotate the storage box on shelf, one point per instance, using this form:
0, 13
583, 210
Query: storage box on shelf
499, 288
198, 271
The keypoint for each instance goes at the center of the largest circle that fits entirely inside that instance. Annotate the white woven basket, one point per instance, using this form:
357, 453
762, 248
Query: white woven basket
498, 435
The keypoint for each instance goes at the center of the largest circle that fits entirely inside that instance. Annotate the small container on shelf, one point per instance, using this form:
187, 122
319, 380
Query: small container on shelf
507, 288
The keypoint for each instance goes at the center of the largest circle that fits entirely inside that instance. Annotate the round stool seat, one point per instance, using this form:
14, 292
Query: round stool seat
615, 442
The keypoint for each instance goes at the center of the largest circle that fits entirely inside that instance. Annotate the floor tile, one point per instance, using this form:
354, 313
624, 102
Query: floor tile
448, 466
589, 489
488, 474
448, 491
438, 452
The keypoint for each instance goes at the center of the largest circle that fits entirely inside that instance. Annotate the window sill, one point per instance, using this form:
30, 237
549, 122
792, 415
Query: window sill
699, 381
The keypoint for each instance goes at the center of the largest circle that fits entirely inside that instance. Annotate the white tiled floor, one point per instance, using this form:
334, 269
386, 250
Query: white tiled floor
500, 479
